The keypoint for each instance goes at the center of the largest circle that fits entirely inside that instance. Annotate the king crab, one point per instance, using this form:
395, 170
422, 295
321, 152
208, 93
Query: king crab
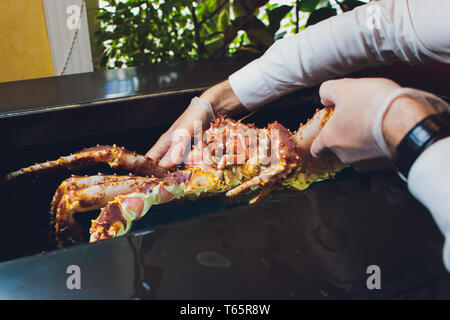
231, 158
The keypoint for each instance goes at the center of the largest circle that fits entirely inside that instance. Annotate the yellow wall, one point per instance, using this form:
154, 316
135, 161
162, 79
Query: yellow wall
24, 47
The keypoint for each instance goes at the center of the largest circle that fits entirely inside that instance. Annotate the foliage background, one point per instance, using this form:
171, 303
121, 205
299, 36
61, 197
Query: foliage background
141, 32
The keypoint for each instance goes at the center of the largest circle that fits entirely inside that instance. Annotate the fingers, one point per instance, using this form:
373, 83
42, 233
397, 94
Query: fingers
171, 146
319, 145
327, 92
179, 143
330, 92
349, 132
160, 148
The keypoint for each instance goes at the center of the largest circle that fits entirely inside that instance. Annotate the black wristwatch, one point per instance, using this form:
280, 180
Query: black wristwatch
419, 138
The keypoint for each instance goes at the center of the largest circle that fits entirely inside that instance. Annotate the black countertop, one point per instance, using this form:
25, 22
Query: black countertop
315, 244
66, 92
68, 107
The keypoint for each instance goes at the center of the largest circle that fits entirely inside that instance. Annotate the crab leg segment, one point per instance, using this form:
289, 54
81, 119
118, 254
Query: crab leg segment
308, 132
283, 161
313, 169
117, 217
115, 157
79, 194
231, 157
283, 167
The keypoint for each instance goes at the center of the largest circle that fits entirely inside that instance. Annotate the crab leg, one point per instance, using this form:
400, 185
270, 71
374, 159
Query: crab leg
271, 157
313, 169
117, 217
286, 165
79, 194
284, 157
76, 183
116, 157
306, 133
261, 180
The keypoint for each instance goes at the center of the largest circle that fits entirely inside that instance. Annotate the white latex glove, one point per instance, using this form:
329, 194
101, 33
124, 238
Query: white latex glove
359, 129
171, 146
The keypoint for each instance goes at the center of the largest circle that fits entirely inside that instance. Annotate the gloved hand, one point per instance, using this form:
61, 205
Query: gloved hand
371, 116
171, 146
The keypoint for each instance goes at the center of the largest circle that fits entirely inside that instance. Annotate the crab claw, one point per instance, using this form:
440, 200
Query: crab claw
111, 223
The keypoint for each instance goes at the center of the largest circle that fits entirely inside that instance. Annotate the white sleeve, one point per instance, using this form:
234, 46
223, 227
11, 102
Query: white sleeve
429, 182
377, 33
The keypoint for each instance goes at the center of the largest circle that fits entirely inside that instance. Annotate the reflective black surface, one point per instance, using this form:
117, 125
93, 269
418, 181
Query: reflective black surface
29, 199
54, 109
67, 92
312, 244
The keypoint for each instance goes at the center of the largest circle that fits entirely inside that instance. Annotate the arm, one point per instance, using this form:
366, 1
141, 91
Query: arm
406, 30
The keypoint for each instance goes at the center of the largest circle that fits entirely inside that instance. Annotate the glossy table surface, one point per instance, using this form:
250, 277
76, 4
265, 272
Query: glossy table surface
66, 92
315, 244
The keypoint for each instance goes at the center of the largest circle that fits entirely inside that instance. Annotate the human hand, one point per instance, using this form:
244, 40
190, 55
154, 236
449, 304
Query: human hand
171, 146
371, 117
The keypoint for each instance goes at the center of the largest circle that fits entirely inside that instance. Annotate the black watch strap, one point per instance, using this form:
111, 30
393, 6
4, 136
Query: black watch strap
420, 137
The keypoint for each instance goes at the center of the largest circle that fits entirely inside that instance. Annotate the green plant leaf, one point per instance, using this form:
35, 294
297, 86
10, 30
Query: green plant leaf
275, 16
247, 50
320, 14
214, 44
261, 38
243, 7
211, 4
140, 32
258, 3
224, 20
323, 4
308, 5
